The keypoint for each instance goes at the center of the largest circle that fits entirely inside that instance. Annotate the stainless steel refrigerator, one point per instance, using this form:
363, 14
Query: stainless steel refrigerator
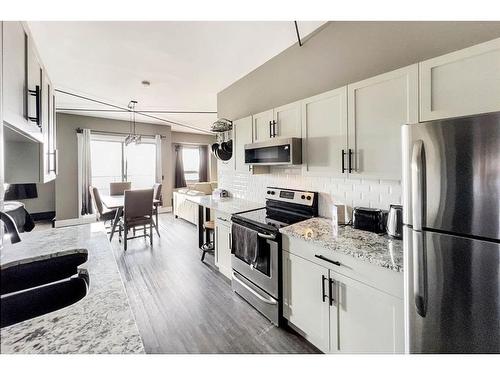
451, 195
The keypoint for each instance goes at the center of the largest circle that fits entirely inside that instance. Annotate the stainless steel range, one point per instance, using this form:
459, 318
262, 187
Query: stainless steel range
256, 247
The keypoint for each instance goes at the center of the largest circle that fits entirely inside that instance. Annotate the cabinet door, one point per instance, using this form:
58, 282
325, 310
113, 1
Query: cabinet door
307, 306
53, 162
262, 125
35, 108
377, 107
324, 131
242, 130
14, 73
369, 320
223, 250
461, 83
287, 121
45, 114
47, 158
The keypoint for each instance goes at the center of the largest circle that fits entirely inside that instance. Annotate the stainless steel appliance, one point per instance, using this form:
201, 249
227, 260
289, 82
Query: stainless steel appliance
261, 285
276, 151
369, 219
395, 221
451, 189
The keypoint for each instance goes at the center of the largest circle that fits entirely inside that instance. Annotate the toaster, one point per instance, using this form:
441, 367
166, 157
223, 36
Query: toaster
369, 219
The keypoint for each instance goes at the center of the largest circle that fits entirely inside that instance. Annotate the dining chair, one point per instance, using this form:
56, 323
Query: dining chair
137, 212
156, 196
118, 188
102, 214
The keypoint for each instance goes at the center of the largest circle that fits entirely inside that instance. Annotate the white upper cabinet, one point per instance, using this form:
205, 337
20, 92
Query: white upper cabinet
306, 303
15, 59
324, 132
242, 134
369, 321
377, 107
262, 126
287, 121
280, 122
461, 83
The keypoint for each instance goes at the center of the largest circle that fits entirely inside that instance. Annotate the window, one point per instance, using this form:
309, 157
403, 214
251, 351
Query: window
191, 160
112, 161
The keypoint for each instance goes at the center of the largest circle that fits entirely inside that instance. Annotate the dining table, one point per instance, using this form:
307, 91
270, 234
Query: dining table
117, 202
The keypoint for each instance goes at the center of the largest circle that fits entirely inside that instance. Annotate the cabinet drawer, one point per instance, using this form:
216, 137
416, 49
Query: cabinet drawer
378, 277
223, 218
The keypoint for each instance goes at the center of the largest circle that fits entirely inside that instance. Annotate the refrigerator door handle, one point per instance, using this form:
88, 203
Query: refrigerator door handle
418, 204
419, 273
417, 184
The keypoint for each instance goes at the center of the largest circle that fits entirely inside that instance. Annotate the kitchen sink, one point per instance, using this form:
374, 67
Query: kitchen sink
31, 288
28, 304
28, 274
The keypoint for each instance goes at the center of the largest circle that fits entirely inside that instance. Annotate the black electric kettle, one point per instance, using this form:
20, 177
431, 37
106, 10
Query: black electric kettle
395, 221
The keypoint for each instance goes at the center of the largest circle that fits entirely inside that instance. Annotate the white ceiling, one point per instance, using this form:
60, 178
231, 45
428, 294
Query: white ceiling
187, 62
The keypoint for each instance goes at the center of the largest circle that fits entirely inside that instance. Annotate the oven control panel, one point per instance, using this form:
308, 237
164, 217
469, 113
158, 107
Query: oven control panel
305, 198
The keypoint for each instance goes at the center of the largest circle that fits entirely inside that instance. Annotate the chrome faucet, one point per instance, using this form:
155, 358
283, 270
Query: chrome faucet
11, 227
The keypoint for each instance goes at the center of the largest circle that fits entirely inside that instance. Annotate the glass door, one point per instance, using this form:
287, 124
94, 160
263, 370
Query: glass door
113, 161
106, 163
140, 164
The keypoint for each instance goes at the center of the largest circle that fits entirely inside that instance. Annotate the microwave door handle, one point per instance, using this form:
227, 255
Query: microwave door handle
418, 242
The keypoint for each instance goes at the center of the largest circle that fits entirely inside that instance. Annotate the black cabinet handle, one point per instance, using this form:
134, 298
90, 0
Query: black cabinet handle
331, 283
274, 128
350, 161
327, 260
36, 93
323, 279
343, 161
270, 129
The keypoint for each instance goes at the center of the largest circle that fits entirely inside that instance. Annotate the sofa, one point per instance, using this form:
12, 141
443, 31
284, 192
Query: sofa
185, 209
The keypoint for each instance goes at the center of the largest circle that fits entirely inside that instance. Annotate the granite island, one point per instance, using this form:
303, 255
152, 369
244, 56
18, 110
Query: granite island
101, 322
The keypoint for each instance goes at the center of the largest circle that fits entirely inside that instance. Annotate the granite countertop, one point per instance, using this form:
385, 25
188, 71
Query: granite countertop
101, 322
367, 246
227, 205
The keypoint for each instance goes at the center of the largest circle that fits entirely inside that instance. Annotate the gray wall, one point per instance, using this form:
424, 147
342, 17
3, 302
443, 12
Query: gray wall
66, 187
346, 52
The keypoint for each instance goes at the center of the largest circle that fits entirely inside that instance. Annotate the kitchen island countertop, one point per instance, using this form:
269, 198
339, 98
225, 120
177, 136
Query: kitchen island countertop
366, 246
101, 322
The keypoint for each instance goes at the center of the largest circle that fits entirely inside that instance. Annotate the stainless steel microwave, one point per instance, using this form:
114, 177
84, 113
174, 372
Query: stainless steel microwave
276, 151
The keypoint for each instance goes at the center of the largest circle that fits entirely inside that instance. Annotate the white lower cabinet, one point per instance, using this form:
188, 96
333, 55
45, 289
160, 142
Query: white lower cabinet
338, 314
305, 299
222, 247
368, 321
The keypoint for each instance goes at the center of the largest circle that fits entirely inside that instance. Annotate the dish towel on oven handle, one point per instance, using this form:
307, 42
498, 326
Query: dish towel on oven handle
245, 244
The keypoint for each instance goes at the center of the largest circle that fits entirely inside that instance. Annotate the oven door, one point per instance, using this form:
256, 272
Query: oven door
265, 275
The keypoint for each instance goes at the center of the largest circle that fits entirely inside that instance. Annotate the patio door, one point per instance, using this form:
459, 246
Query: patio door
113, 161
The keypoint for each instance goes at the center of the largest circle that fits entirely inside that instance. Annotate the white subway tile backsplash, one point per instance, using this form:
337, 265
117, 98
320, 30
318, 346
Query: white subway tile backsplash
351, 192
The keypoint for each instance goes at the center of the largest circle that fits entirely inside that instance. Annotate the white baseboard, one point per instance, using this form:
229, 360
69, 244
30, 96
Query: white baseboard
162, 210
87, 219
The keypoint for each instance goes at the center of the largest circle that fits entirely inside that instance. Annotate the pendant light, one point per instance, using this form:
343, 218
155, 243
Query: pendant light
132, 137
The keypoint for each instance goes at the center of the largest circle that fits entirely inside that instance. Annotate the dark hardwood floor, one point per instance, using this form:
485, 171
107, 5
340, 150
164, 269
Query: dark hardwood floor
182, 305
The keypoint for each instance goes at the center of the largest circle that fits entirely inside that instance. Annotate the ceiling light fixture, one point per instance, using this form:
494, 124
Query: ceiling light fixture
132, 137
